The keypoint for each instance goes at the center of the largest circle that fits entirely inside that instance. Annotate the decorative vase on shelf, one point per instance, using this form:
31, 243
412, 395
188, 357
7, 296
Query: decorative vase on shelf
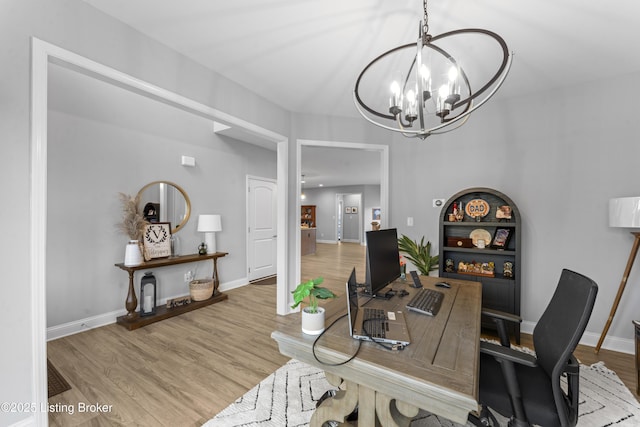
132, 254
175, 246
312, 323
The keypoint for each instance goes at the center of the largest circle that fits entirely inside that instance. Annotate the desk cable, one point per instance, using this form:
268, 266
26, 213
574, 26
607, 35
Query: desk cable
313, 347
394, 347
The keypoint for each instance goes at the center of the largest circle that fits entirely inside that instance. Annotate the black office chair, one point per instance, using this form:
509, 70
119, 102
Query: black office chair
525, 388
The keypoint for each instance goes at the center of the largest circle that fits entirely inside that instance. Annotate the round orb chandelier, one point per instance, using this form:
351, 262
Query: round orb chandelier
433, 86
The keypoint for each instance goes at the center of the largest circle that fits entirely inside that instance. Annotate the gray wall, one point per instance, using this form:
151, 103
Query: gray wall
351, 222
108, 140
560, 155
325, 200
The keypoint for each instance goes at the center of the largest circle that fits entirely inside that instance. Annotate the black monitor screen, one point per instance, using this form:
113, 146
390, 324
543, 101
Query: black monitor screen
383, 260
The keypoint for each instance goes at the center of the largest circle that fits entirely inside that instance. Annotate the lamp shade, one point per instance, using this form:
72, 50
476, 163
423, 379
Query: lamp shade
624, 212
209, 223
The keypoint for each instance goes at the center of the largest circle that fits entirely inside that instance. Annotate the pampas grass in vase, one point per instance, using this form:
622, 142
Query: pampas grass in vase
132, 225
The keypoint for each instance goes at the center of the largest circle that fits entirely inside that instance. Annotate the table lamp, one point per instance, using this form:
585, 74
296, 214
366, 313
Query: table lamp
209, 224
623, 212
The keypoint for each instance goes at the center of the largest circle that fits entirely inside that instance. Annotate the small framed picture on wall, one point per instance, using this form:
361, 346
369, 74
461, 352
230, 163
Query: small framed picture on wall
347, 209
354, 209
375, 214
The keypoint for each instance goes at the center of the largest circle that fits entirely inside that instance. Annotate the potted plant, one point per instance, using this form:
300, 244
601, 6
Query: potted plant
419, 254
312, 315
132, 225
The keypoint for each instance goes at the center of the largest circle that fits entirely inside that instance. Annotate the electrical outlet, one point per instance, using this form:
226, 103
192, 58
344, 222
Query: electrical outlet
188, 276
438, 203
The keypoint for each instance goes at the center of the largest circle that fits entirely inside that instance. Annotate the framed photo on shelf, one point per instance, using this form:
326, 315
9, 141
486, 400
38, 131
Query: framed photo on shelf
501, 237
157, 240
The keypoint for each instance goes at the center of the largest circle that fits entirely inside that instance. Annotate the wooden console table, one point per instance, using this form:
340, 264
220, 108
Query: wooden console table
132, 320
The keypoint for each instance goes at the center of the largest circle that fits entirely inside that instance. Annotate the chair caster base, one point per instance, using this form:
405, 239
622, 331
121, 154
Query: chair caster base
484, 418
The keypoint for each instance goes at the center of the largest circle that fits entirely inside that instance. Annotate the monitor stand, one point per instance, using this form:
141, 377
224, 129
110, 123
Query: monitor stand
385, 293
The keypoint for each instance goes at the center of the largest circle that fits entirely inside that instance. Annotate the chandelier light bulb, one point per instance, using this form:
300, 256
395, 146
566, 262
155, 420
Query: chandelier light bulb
394, 100
424, 72
453, 74
395, 88
412, 107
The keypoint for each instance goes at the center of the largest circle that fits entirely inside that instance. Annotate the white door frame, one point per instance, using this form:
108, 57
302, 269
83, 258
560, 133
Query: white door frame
384, 181
249, 178
42, 53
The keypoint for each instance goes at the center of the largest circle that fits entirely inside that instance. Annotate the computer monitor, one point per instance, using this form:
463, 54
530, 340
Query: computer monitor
383, 260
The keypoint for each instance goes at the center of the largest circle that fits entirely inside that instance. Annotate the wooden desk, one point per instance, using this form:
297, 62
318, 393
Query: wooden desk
132, 321
437, 372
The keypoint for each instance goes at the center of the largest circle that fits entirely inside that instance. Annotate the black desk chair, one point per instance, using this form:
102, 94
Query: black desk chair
526, 388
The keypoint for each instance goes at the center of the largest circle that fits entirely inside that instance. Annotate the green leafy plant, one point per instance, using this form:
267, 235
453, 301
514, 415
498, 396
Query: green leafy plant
419, 254
314, 292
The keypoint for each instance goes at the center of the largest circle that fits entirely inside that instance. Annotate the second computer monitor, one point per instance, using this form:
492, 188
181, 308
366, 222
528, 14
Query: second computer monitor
383, 260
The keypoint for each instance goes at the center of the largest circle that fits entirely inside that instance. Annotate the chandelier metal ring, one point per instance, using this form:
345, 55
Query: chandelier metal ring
456, 107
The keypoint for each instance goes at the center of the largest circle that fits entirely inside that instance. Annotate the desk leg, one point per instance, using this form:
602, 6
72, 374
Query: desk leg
339, 406
392, 412
132, 301
374, 409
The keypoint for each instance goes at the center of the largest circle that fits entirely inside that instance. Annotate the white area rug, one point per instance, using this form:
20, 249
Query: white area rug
288, 398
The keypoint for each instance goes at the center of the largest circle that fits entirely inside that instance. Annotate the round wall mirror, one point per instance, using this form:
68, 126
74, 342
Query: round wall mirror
164, 201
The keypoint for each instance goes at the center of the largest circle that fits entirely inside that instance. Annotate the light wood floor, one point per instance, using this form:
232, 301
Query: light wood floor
184, 370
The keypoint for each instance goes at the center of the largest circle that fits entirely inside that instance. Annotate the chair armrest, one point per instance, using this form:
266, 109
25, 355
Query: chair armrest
506, 353
502, 315
572, 367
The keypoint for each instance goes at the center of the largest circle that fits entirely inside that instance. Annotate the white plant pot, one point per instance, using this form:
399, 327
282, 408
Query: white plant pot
312, 323
132, 254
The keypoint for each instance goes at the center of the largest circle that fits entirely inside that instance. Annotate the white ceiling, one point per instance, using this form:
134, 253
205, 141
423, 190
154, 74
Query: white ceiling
305, 55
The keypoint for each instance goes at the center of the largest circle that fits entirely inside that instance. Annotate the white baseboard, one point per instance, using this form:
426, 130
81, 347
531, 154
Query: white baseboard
27, 422
104, 319
234, 284
590, 339
331, 242
82, 325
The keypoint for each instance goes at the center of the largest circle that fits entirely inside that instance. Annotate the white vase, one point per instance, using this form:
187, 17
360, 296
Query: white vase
312, 323
132, 254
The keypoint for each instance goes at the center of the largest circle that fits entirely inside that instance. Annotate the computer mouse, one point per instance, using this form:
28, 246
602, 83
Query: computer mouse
443, 285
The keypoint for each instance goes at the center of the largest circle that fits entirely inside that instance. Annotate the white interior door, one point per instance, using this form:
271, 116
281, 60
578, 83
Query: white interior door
262, 227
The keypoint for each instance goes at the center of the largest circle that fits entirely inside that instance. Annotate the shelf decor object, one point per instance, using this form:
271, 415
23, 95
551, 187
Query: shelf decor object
148, 294
132, 225
497, 264
210, 225
623, 212
436, 83
157, 240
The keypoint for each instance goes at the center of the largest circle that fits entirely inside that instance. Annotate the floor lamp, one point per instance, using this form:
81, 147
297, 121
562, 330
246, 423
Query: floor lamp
623, 212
